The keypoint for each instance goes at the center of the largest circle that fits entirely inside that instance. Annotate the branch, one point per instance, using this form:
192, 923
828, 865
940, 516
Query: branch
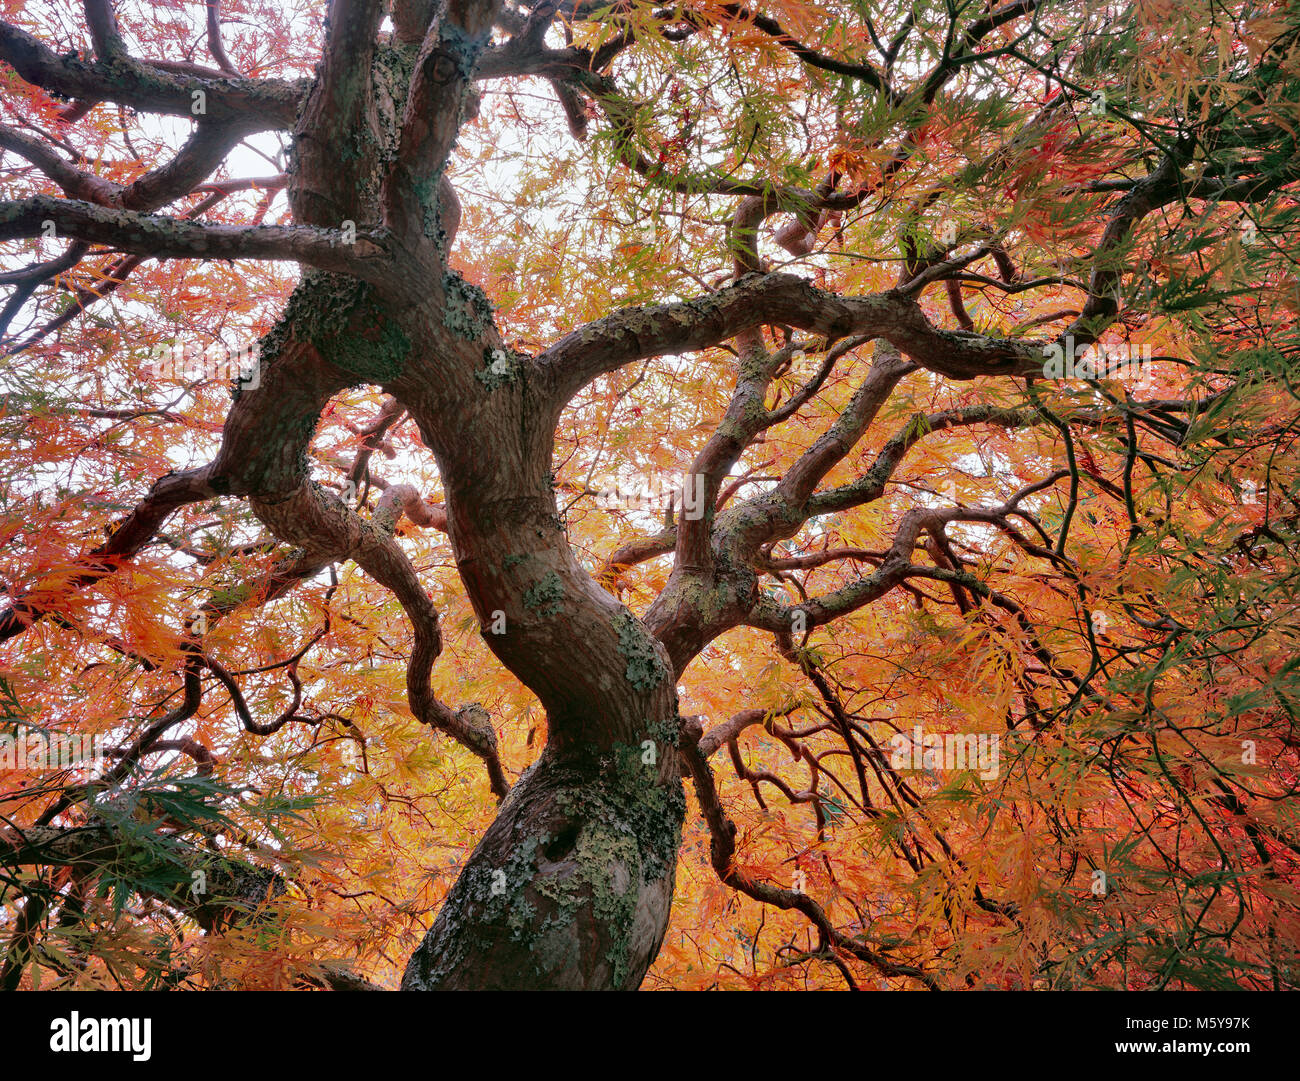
434, 109
723, 857
259, 104
654, 330
328, 531
811, 57
153, 235
232, 887
331, 186
215, 45
131, 535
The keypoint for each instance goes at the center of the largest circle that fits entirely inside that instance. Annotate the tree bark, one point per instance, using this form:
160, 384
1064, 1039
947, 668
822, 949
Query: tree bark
570, 888
572, 884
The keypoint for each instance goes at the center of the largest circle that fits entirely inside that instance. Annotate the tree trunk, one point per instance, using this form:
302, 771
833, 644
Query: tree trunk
572, 884
570, 888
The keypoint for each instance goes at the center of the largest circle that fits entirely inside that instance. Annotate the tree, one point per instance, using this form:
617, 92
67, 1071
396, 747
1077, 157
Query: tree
903, 388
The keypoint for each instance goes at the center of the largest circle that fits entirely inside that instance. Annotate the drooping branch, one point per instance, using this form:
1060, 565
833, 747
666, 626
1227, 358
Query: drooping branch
128, 538
329, 531
231, 889
723, 858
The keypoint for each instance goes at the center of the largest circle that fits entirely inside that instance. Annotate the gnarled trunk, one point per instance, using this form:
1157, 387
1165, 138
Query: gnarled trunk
572, 884
570, 887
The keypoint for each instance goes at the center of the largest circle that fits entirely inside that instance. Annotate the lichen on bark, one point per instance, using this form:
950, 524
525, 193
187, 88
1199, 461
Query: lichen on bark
468, 311
546, 595
578, 867
644, 670
348, 325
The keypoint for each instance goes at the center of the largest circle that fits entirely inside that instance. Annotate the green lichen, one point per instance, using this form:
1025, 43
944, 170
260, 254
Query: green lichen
645, 671
520, 920
652, 811
393, 66
601, 850
426, 194
468, 311
461, 48
341, 317
666, 731
631, 824
545, 597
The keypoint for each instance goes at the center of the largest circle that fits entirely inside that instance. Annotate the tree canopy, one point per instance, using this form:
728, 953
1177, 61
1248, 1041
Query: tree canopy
615, 494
